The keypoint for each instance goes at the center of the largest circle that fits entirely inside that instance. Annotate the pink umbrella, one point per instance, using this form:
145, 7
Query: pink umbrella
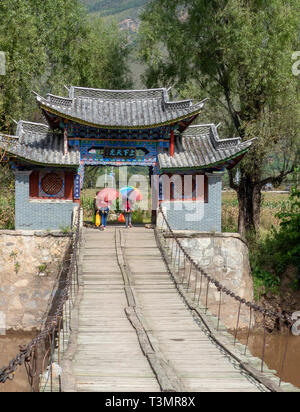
135, 195
106, 196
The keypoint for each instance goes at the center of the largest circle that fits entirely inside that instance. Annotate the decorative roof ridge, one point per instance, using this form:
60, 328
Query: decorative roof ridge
132, 95
73, 88
54, 97
118, 90
248, 142
192, 129
222, 143
24, 126
194, 126
8, 141
68, 101
32, 123
230, 142
185, 104
94, 93
8, 136
214, 136
180, 103
214, 127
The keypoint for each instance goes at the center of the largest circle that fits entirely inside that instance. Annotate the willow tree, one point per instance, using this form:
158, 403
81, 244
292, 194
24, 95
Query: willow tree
52, 43
24, 60
238, 53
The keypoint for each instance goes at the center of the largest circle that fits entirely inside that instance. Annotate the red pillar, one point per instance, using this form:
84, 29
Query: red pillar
172, 144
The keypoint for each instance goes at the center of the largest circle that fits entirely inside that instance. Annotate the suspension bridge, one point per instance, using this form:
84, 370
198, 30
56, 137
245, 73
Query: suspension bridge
135, 332
131, 319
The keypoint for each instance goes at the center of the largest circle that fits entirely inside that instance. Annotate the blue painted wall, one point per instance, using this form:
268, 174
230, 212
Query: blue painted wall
199, 216
39, 215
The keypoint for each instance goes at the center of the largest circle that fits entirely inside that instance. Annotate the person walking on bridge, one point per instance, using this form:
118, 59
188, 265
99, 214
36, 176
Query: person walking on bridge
104, 201
130, 195
103, 207
127, 209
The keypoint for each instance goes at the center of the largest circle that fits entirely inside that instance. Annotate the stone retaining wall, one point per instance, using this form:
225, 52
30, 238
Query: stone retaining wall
224, 257
29, 265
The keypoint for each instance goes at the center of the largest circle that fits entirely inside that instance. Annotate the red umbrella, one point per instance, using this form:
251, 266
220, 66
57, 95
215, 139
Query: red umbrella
107, 195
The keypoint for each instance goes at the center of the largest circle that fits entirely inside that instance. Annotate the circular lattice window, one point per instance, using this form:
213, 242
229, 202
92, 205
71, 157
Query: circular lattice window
52, 184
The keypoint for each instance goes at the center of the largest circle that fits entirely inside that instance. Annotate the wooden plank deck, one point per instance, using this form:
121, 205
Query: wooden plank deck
145, 340
108, 356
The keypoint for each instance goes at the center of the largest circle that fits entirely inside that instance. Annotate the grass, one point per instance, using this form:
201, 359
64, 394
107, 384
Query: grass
271, 204
7, 210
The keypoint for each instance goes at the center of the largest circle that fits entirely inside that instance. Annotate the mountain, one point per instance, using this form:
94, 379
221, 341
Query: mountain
125, 12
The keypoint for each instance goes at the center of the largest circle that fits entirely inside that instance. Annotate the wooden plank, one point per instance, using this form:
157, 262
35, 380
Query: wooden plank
108, 354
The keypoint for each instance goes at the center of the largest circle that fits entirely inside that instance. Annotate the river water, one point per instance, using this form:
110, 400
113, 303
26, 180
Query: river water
9, 348
274, 353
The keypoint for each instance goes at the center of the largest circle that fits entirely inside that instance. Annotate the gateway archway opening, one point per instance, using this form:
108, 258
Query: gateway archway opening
98, 177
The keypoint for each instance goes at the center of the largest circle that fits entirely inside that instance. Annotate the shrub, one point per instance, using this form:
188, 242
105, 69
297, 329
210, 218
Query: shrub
229, 218
140, 216
7, 211
271, 256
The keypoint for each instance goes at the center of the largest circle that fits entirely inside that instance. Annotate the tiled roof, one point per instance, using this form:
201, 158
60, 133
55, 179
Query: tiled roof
119, 108
37, 144
199, 147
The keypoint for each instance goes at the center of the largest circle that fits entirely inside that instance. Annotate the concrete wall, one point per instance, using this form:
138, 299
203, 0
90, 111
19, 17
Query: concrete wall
200, 216
29, 265
39, 214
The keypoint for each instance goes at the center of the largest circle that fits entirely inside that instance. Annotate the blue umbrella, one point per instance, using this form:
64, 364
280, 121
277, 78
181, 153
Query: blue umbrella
126, 190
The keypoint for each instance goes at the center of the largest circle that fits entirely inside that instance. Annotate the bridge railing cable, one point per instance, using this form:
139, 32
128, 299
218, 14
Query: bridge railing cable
42, 355
198, 284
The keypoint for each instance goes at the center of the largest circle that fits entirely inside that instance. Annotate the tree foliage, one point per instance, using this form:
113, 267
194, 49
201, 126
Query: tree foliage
281, 248
112, 7
238, 53
52, 43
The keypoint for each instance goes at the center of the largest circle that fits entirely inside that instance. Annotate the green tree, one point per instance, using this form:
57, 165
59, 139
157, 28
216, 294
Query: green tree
272, 256
80, 50
25, 61
108, 52
52, 43
238, 53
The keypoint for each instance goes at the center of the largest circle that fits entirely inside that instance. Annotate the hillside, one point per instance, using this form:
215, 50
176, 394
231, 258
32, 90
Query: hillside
125, 12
